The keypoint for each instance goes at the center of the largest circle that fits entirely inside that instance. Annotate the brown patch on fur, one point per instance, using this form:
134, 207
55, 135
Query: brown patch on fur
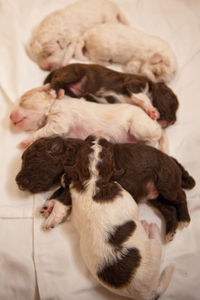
122, 233
100, 77
133, 166
120, 272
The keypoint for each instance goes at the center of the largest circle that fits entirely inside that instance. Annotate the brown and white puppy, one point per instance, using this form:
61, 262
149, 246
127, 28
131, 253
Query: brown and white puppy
136, 51
40, 111
100, 84
146, 173
53, 41
115, 247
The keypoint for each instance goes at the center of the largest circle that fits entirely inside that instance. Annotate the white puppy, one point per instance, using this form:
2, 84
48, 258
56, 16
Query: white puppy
136, 51
53, 40
123, 254
39, 110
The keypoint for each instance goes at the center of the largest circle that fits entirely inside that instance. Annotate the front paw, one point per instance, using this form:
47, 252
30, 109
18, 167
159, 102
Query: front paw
54, 212
25, 143
153, 113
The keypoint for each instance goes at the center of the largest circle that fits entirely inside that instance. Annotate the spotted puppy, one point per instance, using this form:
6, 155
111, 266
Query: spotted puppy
136, 51
52, 43
145, 172
40, 111
100, 84
114, 245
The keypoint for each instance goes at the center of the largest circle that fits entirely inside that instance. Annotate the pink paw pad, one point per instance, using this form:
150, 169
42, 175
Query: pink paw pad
153, 113
47, 208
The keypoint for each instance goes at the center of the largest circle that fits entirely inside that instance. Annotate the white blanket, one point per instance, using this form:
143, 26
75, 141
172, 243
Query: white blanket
48, 265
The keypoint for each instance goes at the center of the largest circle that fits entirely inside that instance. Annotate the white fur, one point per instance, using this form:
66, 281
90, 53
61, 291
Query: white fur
94, 222
78, 118
136, 51
53, 41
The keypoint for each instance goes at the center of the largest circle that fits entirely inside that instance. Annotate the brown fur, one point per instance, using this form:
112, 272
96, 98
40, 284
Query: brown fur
120, 272
122, 233
138, 165
89, 79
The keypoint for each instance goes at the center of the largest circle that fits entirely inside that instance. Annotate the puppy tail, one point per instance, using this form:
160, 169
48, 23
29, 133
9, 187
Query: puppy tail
164, 280
188, 181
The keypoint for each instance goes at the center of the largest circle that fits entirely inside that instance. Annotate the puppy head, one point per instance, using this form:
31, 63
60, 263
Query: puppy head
32, 107
166, 103
41, 165
48, 52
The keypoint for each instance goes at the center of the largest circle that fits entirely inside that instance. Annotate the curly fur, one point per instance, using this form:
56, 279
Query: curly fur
53, 41
136, 51
145, 172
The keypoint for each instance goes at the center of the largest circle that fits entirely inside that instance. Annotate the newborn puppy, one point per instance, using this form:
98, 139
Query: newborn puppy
100, 84
53, 41
40, 111
145, 172
136, 51
114, 245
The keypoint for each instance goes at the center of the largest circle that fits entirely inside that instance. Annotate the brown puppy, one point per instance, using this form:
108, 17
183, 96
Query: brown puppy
100, 84
145, 172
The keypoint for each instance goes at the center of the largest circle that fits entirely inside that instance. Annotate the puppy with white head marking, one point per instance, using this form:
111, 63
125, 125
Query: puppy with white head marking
117, 250
136, 51
40, 111
53, 41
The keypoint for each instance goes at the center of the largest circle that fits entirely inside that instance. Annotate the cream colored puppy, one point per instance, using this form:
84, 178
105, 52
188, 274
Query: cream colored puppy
53, 40
122, 253
39, 110
136, 51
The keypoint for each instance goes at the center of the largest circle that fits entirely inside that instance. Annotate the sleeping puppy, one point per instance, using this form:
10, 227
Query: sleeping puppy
100, 84
40, 111
136, 51
145, 172
115, 247
53, 41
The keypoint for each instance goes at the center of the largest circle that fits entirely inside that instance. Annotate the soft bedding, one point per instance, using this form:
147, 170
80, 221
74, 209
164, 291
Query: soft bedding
47, 265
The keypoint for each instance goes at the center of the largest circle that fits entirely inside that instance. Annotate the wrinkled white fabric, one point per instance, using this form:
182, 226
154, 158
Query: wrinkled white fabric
48, 265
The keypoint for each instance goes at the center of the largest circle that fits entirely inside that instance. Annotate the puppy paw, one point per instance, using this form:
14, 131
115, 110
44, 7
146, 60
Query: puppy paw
54, 213
154, 231
25, 143
145, 225
183, 224
153, 113
47, 208
170, 236
61, 94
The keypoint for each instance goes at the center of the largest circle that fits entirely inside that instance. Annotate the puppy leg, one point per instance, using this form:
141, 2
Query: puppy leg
55, 212
182, 210
143, 128
69, 53
144, 102
48, 130
169, 213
